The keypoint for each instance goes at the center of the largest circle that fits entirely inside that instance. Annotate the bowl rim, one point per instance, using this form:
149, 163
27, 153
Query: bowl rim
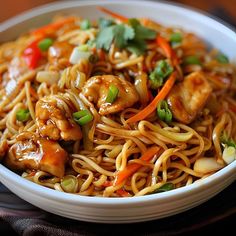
102, 201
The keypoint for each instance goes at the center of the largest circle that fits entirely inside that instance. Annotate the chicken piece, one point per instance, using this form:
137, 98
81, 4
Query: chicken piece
96, 90
59, 50
187, 98
35, 153
54, 122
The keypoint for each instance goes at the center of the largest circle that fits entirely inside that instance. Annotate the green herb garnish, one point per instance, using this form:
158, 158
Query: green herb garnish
222, 58
23, 115
85, 24
191, 60
45, 44
164, 112
82, 117
160, 73
112, 93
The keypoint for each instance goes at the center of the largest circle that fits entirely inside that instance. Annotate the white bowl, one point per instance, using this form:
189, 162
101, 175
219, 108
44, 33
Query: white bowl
123, 210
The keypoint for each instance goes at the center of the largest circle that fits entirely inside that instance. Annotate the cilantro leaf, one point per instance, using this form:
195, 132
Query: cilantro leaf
122, 33
136, 46
142, 32
103, 23
119, 33
105, 38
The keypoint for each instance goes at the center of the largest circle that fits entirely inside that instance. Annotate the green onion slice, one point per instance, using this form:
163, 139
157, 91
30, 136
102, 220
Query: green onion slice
69, 184
45, 44
192, 60
112, 93
222, 58
164, 188
176, 37
23, 115
85, 24
82, 117
164, 112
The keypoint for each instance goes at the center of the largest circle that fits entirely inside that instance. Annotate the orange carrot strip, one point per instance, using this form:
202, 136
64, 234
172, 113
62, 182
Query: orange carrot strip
114, 15
152, 106
170, 53
132, 168
52, 27
123, 193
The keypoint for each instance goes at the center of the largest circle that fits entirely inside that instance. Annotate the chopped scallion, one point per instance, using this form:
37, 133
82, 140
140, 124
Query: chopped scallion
82, 117
192, 60
69, 184
164, 112
23, 115
112, 93
176, 37
85, 24
160, 73
164, 188
45, 44
222, 58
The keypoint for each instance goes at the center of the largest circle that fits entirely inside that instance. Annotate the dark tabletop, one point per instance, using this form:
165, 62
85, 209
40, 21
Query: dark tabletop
215, 216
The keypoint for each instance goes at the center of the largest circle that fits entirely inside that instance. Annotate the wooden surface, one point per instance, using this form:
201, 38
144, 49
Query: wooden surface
224, 7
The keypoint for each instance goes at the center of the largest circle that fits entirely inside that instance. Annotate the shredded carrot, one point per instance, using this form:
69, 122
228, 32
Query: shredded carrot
114, 15
132, 168
145, 21
170, 53
120, 192
152, 106
33, 93
47, 29
123, 193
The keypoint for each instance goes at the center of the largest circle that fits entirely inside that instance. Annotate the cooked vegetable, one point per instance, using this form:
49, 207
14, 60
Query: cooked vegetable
70, 184
229, 154
48, 77
82, 117
225, 139
112, 93
222, 58
32, 54
132, 36
160, 73
152, 106
45, 44
50, 28
85, 24
192, 60
206, 165
176, 37
169, 52
164, 188
130, 169
23, 115
78, 54
164, 112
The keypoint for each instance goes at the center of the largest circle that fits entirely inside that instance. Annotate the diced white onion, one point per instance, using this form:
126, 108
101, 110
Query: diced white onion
49, 77
229, 154
77, 55
80, 80
206, 165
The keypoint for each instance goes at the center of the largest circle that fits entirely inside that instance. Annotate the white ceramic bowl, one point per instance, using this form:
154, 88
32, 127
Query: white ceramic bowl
124, 210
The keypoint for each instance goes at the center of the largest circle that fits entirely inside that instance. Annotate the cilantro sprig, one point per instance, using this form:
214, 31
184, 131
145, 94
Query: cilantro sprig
226, 140
131, 36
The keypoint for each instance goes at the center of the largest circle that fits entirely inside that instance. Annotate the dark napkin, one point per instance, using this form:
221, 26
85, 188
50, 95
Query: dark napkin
215, 216
27, 220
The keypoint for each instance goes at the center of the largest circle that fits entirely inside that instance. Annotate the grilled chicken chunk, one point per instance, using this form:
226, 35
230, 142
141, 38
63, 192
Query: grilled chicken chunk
96, 90
35, 153
54, 121
187, 98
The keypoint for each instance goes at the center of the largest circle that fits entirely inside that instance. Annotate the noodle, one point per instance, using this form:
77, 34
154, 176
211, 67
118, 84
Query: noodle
65, 114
